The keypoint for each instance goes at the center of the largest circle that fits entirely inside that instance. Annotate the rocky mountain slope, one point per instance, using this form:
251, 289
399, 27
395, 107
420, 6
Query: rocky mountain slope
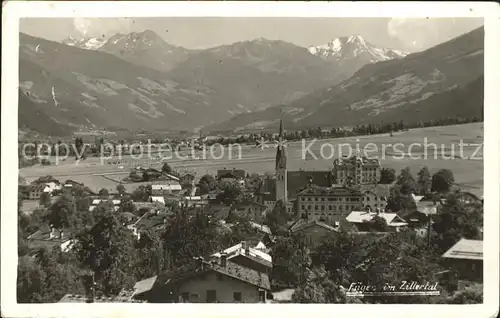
139, 81
352, 52
444, 80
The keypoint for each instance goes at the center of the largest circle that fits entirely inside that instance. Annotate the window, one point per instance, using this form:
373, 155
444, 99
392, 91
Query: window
322, 207
322, 199
302, 207
315, 207
211, 296
237, 296
185, 297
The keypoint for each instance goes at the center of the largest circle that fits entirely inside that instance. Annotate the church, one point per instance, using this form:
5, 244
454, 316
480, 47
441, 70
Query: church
288, 184
350, 185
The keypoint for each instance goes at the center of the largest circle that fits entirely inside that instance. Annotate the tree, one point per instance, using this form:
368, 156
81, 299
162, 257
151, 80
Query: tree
442, 181
424, 181
166, 168
103, 193
406, 182
277, 217
456, 221
387, 176
120, 189
207, 183
45, 199
63, 212
398, 201
108, 250
318, 288
230, 192
378, 224
140, 194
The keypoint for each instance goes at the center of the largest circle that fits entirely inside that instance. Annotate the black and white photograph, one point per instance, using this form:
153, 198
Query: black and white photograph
251, 159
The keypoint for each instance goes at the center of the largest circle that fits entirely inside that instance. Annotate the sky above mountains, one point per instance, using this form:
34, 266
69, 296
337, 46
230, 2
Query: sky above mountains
196, 33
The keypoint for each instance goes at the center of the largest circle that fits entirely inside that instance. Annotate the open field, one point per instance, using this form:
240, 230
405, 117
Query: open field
434, 147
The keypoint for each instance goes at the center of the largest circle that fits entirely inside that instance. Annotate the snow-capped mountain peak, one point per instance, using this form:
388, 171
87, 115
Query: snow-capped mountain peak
85, 43
354, 47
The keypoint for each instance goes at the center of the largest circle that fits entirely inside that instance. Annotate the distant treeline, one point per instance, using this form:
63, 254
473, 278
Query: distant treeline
358, 130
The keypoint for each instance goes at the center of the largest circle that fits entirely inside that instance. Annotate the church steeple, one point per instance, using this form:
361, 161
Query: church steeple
281, 172
280, 152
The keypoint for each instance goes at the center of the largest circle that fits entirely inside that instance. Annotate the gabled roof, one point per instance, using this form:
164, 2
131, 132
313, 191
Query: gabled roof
466, 249
392, 219
330, 191
304, 224
260, 227
239, 272
238, 249
298, 180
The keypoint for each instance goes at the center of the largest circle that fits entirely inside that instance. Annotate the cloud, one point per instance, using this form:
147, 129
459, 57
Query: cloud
416, 34
98, 27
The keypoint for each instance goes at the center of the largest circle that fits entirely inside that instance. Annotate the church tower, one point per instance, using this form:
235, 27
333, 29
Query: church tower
281, 172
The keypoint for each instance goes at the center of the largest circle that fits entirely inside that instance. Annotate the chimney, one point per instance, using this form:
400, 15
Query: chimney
61, 234
223, 259
244, 245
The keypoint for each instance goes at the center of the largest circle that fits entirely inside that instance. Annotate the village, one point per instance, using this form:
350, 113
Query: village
243, 237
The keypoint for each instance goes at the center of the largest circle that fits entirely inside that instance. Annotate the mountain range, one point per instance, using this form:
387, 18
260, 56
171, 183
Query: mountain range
138, 81
445, 80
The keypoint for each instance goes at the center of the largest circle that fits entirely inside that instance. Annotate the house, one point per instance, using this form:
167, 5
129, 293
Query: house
361, 220
71, 183
415, 219
125, 296
148, 207
253, 210
267, 193
375, 197
328, 205
195, 201
264, 233
231, 174
428, 207
49, 237
219, 211
358, 169
165, 188
52, 186
313, 231
96, 202
203, 281
465, 258
32, 192
149, 221
245, 255
186, 180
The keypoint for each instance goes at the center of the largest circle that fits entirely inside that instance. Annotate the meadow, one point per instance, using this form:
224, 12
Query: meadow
434, 147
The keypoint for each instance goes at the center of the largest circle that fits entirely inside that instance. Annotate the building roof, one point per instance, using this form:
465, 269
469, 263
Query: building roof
330, 191
231, 269
260, 227
43, 234
158, 199
166, 187
97, 201
304, 224
353, 159
268, 189
466, 249
151, 221
238, 249
144, 285
299, 180
427, 207
380, 190
72, 298
147, 205
392, 219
